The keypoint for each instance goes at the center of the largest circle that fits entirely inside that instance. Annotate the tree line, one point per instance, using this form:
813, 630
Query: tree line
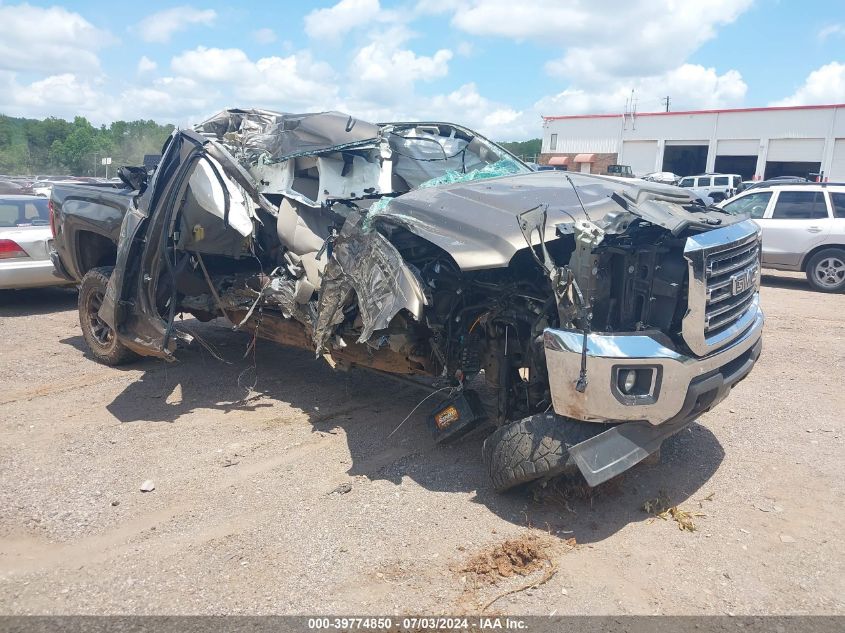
54, 146
526, 150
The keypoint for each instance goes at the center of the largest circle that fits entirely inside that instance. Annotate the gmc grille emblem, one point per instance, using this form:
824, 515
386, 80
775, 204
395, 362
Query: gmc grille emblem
743, 280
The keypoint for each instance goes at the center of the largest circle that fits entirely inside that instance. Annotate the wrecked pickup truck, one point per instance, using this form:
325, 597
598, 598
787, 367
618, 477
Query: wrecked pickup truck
582, 318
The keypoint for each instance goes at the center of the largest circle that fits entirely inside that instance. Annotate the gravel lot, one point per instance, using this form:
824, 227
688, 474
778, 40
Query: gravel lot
243, 518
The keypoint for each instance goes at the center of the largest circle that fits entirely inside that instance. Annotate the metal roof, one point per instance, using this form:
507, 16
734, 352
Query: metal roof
688, 112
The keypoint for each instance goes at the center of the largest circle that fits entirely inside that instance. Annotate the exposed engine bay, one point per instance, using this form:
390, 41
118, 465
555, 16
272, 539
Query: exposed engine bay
408, 248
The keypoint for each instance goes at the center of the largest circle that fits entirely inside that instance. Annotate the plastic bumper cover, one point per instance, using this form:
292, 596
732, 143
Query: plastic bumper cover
32, 273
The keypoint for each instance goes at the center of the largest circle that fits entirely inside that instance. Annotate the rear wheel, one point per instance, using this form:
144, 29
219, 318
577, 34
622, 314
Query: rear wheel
97, 333
826, 270
533, 448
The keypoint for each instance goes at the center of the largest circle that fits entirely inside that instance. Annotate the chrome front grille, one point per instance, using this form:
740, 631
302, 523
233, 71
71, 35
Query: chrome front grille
731, 285
724, 279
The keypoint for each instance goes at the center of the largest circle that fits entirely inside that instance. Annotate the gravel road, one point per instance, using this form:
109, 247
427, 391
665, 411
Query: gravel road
289, 497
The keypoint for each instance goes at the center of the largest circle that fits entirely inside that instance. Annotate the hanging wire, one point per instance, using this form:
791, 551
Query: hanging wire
417, 407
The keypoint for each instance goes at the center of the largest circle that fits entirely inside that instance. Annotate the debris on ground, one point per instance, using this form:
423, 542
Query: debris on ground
520, 556
342, 489
115, 503
707, 498
148, 486
658, 505
561, 490
515, 557
662, 508
785, 538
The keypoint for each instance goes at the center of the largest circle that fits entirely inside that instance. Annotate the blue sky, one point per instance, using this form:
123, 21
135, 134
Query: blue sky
495, 65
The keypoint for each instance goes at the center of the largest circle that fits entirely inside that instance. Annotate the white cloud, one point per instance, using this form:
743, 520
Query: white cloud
496, 120
383, 70
161, 26
264, 36
689, 86
48, 40
66, 95
823, 85
831, 30
295, 81
602, 40
62, 90
212, 64
336, 21
171, 99
146, 65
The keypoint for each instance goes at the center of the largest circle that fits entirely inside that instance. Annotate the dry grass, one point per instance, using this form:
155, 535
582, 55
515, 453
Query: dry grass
662, 508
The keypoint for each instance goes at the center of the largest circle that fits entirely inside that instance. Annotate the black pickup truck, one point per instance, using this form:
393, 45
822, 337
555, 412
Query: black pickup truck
603, 314
86, 223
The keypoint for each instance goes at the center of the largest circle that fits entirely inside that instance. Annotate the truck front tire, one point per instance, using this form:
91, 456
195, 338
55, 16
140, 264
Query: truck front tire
99, 337
532, 448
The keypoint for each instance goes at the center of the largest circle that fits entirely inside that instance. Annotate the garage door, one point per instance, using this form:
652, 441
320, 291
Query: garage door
640, 155
795, 149
738, 147
837, 166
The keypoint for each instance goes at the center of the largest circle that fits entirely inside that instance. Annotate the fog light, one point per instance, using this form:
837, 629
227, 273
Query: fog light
627, 380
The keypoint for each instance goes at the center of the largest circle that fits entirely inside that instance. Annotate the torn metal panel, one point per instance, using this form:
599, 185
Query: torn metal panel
366, 264
278, 136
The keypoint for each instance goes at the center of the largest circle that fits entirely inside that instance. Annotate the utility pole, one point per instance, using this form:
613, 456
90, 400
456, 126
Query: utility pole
666, 101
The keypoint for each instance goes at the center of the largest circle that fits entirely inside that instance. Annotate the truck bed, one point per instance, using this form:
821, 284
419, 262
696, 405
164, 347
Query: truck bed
87, 226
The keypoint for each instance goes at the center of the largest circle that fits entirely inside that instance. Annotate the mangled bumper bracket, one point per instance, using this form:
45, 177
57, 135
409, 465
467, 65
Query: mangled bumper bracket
617, 449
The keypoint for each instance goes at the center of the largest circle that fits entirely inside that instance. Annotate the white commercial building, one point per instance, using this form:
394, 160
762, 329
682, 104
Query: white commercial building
757, 143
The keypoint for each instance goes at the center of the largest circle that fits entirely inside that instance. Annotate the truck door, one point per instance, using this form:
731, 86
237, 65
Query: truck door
129, 305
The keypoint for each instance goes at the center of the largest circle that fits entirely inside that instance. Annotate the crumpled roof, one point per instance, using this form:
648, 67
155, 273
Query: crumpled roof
278, 136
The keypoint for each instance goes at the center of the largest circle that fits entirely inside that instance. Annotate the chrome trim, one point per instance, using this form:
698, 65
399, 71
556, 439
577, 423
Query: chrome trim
703, 253
608, 352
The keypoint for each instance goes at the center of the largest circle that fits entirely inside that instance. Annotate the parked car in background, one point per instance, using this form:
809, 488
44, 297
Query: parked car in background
664, 177
803, 228
774, 181
622, 171
25, 243
745, 184
718, 186
11, 187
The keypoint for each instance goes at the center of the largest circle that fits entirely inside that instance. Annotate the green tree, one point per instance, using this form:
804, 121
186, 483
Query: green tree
52, 145
527, 150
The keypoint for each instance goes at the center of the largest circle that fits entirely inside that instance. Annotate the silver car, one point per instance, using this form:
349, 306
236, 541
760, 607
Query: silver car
803, 229
25, 238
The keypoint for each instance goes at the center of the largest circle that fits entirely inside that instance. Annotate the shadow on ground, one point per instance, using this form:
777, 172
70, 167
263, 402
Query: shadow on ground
782, 281
368, 408
36, 301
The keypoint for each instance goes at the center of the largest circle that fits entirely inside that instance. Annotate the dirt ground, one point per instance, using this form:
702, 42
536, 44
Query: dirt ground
290, 497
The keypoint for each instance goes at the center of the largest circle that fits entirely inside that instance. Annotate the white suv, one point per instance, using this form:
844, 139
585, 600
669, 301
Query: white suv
803, 229
718, 186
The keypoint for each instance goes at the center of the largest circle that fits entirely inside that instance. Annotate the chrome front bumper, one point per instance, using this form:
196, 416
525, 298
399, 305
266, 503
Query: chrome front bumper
684, 386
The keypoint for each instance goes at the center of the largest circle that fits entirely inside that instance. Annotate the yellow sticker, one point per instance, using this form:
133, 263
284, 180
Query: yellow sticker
446, 417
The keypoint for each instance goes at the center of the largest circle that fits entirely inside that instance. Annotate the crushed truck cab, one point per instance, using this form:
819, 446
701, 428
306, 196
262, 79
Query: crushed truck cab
579, 319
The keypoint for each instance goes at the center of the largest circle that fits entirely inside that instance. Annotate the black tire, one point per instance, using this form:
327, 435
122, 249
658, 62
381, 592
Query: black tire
826, 270
533, 448
99, 337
